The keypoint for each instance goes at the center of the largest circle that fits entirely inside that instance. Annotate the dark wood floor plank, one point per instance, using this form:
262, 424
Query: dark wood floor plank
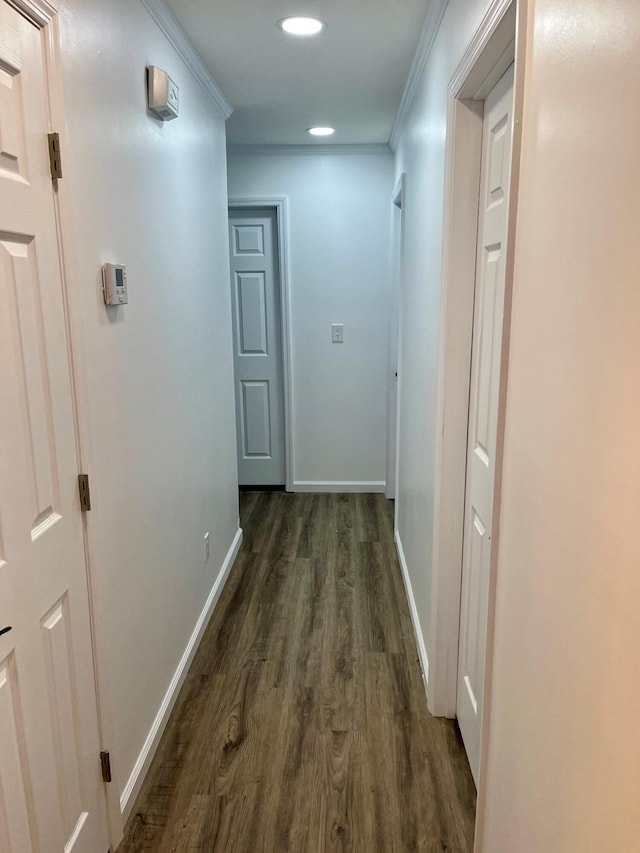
375, 567
342, 698
319, 525
367, 526
259, 528
302, 725
247, 502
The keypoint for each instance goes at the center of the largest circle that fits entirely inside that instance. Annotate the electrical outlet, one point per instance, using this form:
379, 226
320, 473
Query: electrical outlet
206, 547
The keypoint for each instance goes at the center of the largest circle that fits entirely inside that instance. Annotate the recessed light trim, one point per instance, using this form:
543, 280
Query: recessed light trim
301, 25
321, 131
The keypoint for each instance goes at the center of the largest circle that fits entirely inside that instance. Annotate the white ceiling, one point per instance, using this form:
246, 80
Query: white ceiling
351, 76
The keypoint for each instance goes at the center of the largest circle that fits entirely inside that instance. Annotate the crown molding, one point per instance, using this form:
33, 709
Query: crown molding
168, 23
492, 19
305, 150
39, 12
435, 13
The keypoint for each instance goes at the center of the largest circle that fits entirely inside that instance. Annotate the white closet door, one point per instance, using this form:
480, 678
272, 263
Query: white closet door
483, 409
51, 793
257, 342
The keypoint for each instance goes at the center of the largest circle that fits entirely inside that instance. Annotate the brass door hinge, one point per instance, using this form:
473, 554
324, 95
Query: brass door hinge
54, 155
85, 494
105, 763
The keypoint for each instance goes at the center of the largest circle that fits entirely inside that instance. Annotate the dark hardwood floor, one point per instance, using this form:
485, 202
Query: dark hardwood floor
303, 723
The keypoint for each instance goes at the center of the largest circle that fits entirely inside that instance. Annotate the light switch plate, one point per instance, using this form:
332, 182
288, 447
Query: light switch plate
337, 333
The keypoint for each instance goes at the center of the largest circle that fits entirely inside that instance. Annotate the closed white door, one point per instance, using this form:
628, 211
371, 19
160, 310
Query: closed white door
51, 793
257, 343
483, 409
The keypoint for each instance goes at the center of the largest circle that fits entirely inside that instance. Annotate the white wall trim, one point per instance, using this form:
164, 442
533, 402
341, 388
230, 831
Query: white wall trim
398, 202
517, 10
306, 150
168, 23
435, 13
39, 12
413, 610
478, 44
281, 205
462, 186
485, 53
134, 783
340, 486
397, 196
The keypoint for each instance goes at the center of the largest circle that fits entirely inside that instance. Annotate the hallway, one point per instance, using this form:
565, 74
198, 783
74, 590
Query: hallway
303, 724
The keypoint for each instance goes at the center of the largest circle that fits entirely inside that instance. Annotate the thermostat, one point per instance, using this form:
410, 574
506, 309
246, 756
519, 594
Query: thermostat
163, 94
114, 284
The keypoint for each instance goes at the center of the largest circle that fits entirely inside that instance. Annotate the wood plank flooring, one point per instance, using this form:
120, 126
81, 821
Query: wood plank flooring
303, 724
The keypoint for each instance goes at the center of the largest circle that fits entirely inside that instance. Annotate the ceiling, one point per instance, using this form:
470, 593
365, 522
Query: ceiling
351, 76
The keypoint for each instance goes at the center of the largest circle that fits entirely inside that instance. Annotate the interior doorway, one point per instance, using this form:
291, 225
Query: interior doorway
486, 351
259, 323
395, 331
477, 186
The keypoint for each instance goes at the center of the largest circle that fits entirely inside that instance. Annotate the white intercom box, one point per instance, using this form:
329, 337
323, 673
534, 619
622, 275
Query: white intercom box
114, 284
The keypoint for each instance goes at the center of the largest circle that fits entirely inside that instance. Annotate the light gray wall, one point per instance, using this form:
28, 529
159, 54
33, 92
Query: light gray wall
340, 272
420, 154
160, 403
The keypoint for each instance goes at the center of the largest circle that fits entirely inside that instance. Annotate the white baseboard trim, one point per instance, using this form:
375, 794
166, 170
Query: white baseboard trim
415, 619
337, 486
132, 788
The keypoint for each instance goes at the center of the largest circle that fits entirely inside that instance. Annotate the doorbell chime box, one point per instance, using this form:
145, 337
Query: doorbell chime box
162, 93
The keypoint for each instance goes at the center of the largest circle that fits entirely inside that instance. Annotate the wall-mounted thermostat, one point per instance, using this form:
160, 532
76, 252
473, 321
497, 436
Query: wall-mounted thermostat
163, 93
114, 284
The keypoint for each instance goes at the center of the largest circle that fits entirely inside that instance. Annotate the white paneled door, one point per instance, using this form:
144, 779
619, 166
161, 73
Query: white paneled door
257, 342
51, 792
483, 410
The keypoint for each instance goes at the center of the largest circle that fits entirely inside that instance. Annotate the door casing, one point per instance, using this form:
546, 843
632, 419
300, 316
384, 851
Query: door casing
280, 205
481, 434
395, 339
497, 43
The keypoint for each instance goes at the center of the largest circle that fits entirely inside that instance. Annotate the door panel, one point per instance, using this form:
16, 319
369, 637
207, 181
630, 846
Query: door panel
249, 239
13, 160
51, 795
255, 419
63, 700
17, 830
471, 651
257, 339
483, 410
251, 313
34, 407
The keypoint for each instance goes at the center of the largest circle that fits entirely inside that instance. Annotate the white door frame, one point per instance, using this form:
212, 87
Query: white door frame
393, 438
280, 204
495, 45
45, 16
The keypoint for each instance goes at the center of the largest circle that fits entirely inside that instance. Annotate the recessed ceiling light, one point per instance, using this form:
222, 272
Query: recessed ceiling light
301, 25
321, 131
